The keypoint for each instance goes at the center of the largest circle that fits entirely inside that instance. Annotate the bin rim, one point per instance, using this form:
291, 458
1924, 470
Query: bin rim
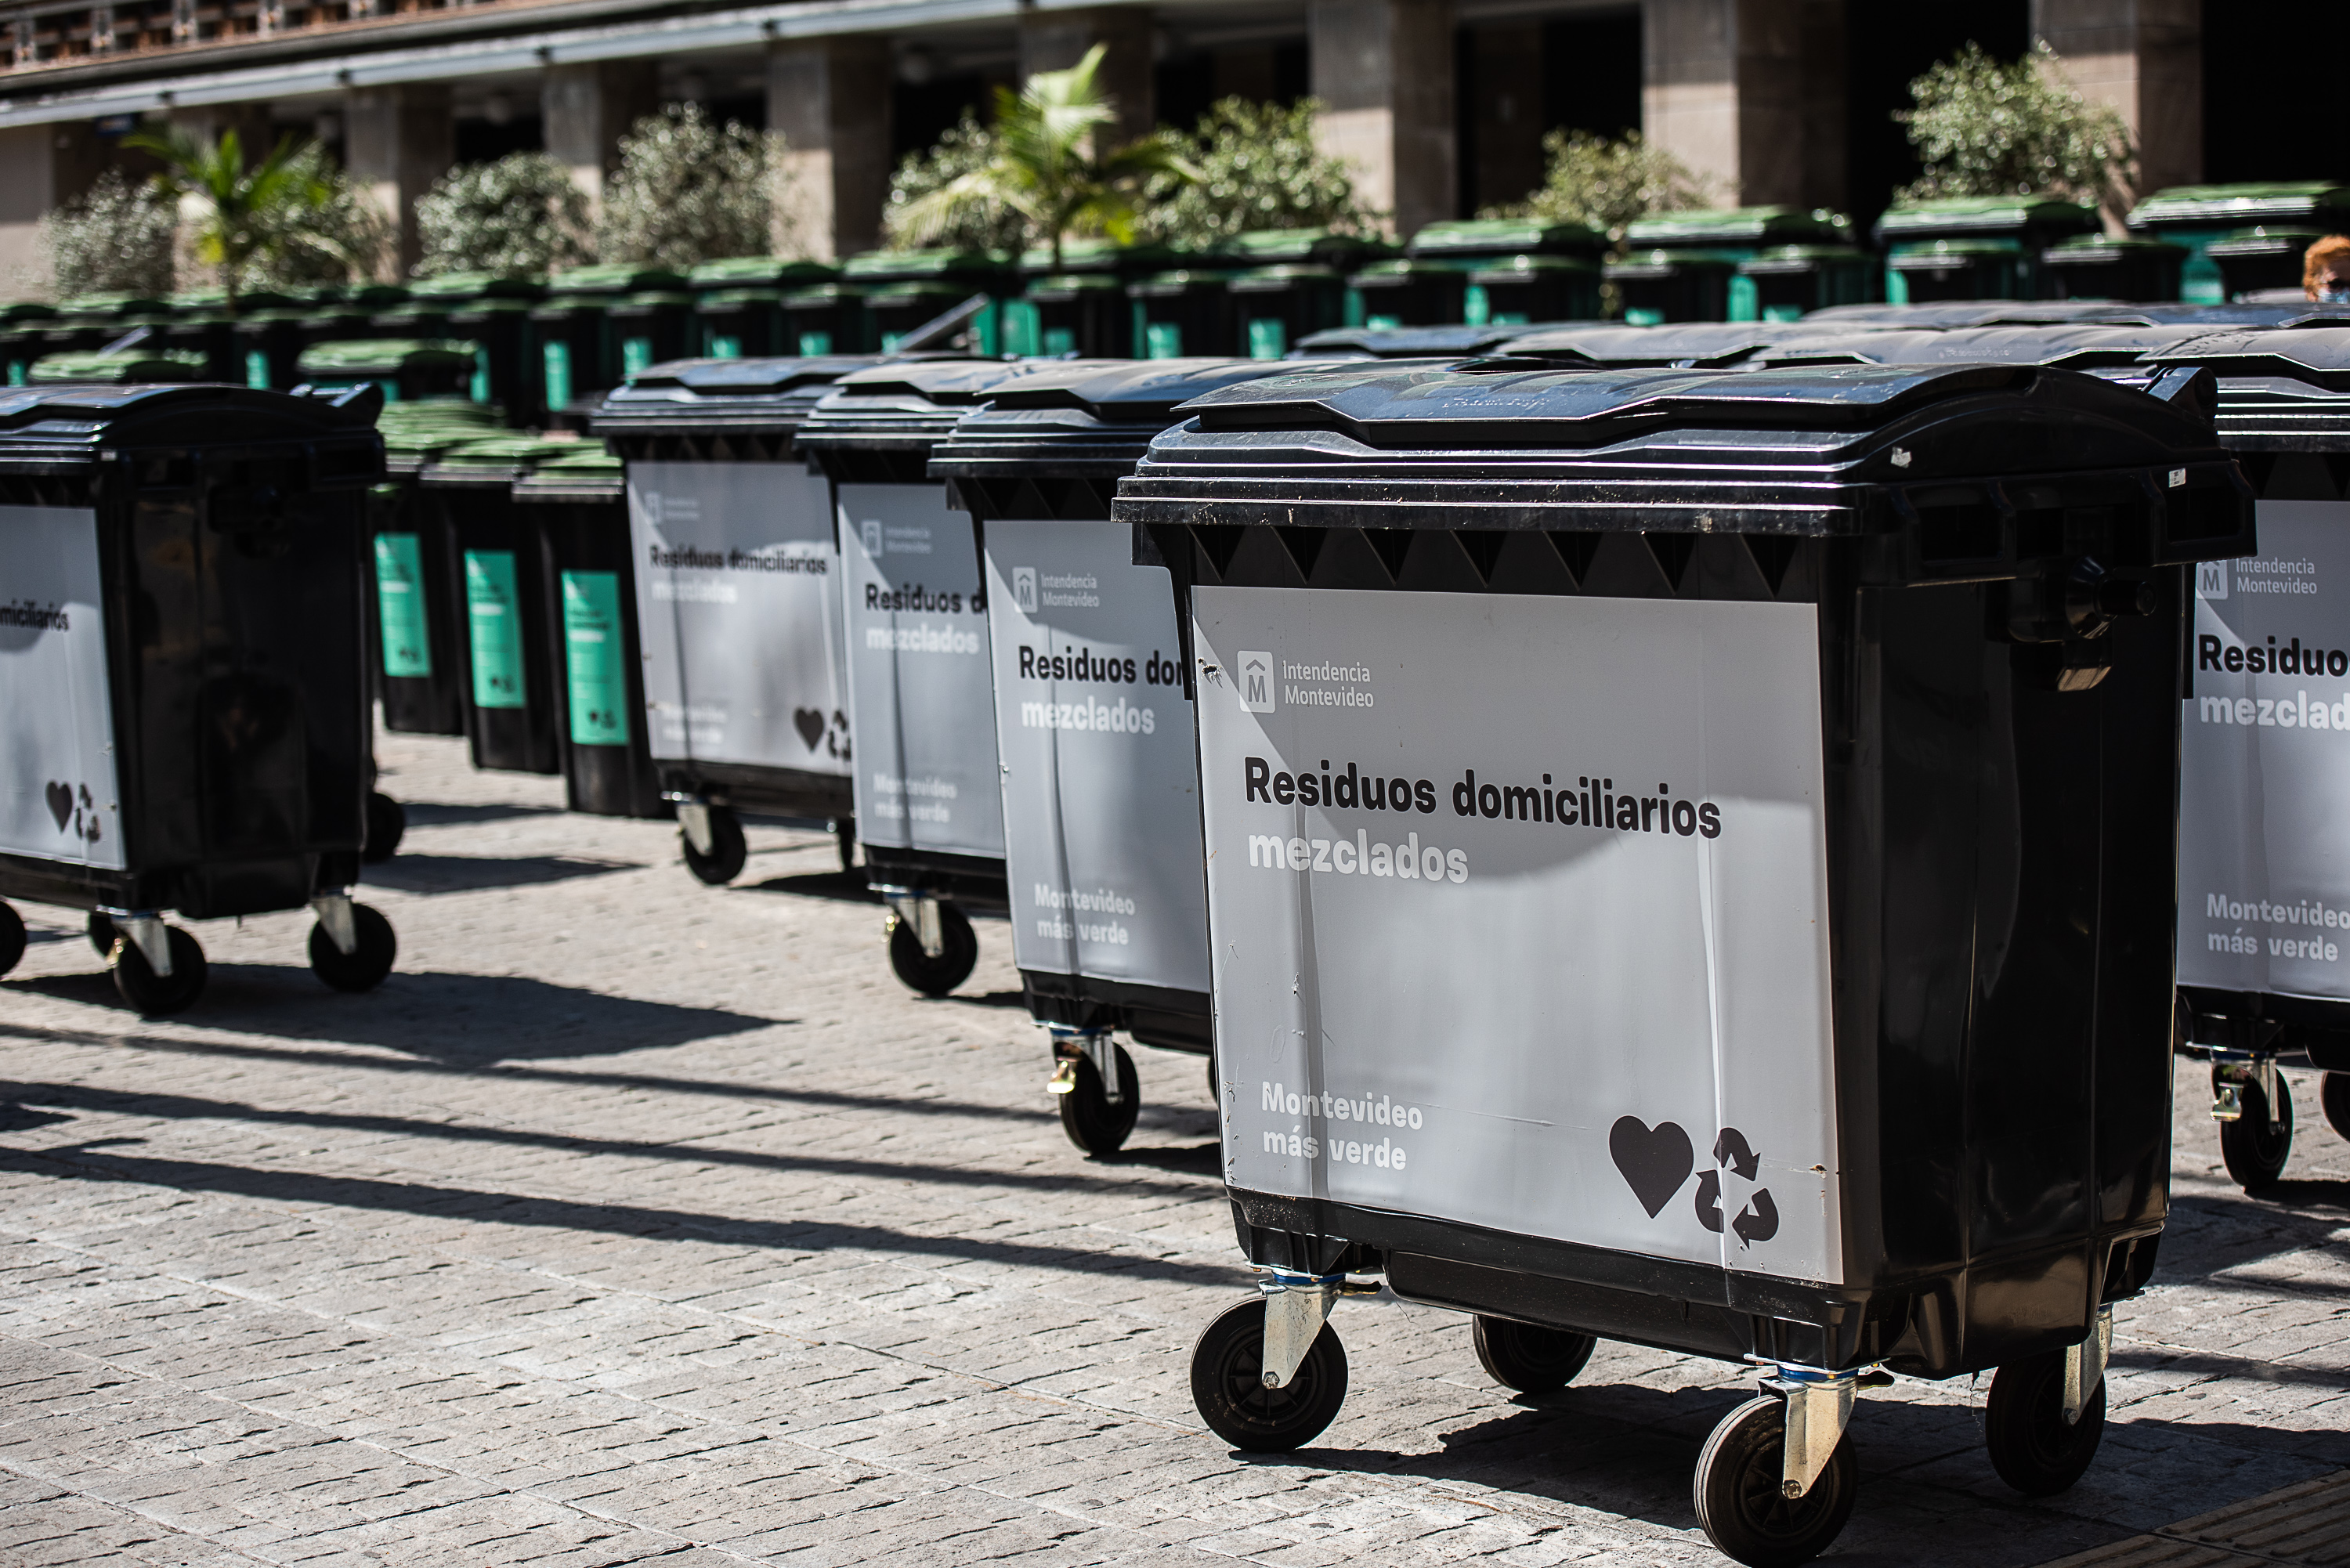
64, 426
1314, 247
770, 393
1667, 263
1689, 344
871, 267
1802, 451
1280, 274
1707, 227
2203, 205
471, 286
1096, 258
2085, 247
1960, 215
610, 279
2261, 239
1062, 286
909, 405
108, 306
1177, 280
2081, 345
1082, 419
388, 355
130, 366
19, 312
711, 301
1781, 259
1519, 268
1941, 255
1455, 341
1473, 239
758, 272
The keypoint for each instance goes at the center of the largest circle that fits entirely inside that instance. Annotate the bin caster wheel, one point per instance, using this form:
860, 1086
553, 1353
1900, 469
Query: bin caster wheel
958, 953
2256, 1144
2023, 1425
12, 938
728, 849
153, 995
1529, 1359
1092, 1122
385, 824
102, 934
1227, 1385
2334, 1099
1739, 1502
363, 968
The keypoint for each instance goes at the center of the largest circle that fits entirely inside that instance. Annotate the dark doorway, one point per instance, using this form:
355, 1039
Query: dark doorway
2272, 92
1888, 47
920, 112
479, 142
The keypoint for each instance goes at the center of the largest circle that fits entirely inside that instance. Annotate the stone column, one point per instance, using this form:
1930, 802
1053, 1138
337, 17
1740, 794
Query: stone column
1723, 92
41, 168
830, 98
1383, 70
1055, 40
1506, 82
396, 142
584, 109
2146, 59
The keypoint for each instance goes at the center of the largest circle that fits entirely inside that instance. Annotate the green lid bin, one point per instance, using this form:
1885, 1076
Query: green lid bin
493, 313
2096, 267
1741, 233
579, 355
24, 338
406, 369
1079, 306
1786, 281
1180, 313
738, 304
1975, 247
905, 289
826, 319
1661, 286
130, 366
2204, 217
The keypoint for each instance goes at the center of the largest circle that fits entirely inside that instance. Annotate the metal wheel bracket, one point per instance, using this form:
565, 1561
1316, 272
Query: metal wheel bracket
920, 912
1819, 1408
146, 931
1097, 1046
2085, 1366
693, 816
1295, 1308
2230, 1071
334, 912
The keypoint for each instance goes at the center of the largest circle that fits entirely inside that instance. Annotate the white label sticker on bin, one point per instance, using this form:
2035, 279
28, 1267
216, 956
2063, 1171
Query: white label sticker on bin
2264, 763
57, 714
922, 701
738, 599
1518, 915
1101, 802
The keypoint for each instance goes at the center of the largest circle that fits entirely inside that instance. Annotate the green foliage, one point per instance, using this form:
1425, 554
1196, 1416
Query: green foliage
248, 214
1257, 168
518, 217
117, 239
964, 150
1983, 128
339, 235
1607, 184
688, 191
1043, 165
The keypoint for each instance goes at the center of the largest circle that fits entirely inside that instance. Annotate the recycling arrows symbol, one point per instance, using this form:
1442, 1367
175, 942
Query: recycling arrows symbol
1759, 1220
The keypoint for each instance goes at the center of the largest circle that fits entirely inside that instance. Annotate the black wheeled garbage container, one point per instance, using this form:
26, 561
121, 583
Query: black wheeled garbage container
418, 619
2265, 854
1101, 811
578, 506
495, 561
1670, 285
2095, 267
737, 597
922, 702
180, 672
1644, 877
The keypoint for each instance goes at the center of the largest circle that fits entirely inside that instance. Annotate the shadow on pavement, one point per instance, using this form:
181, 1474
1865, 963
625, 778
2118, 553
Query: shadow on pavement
1188, 1159
433, 813
849, 886
461, 1019
469, 873
489, 1206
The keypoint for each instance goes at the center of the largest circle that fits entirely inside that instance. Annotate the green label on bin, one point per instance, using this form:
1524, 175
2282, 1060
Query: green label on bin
1268, 338
726, 348
815, 343
635, 354
559, 374
480, 389
400, 607
257, 370
592, 642
1384, 323
16, 372
1163, 340
493, 612
1059, 340
1476, 306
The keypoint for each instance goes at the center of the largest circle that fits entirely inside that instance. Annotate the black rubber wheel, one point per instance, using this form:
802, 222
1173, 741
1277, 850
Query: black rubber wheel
2024, 1424
1092, 1122
1227, 1369
364, 968
728, 850
1529, 1359
2334, 1099
1739, 1505
2256, 1145
386, 821
844, 835
958, 953
101, 934
12, 938
154, 997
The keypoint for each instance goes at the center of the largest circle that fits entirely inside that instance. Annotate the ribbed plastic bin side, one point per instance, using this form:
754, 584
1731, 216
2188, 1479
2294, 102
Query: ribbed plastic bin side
736, 597
181, 670
1656, 821
1093, 724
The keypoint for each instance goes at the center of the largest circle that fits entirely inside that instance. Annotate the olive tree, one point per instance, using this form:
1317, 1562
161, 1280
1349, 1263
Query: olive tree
1256, 166
690, 190
117, 238
521, 216
1985, 128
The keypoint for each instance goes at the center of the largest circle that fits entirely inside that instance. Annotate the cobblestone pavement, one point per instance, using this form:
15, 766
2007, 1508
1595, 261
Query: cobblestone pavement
637, 1221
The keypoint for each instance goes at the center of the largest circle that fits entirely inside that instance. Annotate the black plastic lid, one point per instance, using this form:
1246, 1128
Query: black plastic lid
910, 406
1690, 345
686, 395
1413, 342
1085, 419
1842, 451
2284, 390
59, 430
2075, 347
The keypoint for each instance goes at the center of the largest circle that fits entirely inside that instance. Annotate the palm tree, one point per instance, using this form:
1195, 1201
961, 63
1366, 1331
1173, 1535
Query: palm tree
1044, 166
245, 210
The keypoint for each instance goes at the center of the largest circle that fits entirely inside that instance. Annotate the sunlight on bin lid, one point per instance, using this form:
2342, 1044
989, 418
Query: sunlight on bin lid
48, 429
1738, 226
910, 405
587, 473
1957, 216
383, 355
2076, 346
760, 272
129, 366
495, 460
1092, 417
1688, 344
1470, 239
469, 285
1801, 451
762, 394
2286, 390
1417, 342
618, 277
2211, 206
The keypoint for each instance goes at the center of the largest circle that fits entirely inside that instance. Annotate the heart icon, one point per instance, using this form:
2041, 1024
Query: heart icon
809, 722
1655, 1161
61, 796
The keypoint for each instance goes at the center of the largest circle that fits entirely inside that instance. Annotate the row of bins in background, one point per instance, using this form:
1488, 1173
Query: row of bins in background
502, 609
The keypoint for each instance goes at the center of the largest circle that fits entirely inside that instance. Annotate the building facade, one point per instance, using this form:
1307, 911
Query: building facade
1440, 105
